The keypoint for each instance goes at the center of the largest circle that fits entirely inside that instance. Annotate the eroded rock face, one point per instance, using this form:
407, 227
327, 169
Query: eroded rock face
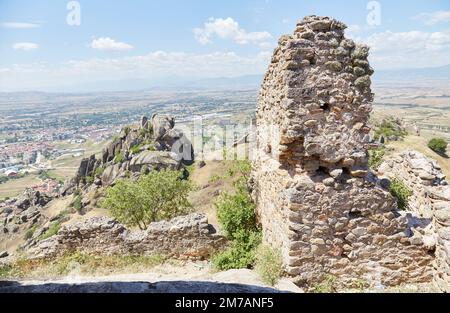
316, 198
185, 237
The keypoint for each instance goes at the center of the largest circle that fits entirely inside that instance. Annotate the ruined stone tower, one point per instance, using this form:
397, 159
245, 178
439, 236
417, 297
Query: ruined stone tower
316, 199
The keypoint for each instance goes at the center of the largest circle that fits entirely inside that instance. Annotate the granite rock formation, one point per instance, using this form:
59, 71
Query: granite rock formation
23, 213
316, 198
153, 145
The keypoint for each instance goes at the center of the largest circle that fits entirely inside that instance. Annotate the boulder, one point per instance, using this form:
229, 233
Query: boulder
156, 160
161, 125
110, 174
32, 198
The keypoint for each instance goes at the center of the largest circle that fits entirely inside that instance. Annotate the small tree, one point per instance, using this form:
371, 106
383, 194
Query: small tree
154, 197
438, 145
236, 212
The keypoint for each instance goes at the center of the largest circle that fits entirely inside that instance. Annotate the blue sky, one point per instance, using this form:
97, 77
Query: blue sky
138, 39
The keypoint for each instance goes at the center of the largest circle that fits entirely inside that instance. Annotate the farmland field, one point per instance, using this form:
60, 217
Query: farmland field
15, 187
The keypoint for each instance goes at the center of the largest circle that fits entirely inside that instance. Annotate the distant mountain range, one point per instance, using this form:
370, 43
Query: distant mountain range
163, 84
235, 83
441, 72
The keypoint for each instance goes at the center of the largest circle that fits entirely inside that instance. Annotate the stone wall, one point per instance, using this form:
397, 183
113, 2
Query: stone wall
316, 198
430, 202
186, 237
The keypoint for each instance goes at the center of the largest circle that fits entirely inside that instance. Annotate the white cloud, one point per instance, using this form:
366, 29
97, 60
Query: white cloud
409, 41
18, 25
108, 44
409, 49
158, 64
228, 29
177, 63
25, 46
433, 17
285, 21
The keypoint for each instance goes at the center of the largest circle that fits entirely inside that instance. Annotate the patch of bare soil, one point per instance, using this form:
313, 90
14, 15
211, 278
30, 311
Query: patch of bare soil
210, 181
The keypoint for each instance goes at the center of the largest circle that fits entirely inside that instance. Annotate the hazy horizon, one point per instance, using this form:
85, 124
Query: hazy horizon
61, 44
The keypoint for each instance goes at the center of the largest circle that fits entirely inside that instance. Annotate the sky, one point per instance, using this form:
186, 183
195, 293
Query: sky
51, 44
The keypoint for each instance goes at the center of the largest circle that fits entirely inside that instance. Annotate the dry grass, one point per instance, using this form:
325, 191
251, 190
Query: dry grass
66, 166
15, 187
211, 180
79, 264
420, 144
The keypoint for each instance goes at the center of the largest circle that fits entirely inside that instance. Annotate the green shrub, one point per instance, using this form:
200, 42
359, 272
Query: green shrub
63, 213
236, 212
43, 175
119, 157
438, 145
30, 232
240, 254
136, 149
327, 285
146, 132
401, 192
89, 180
389, 127
7, 271
157, 196
376, 157
77, 204
51, 231
215, 178
99, 171
269, 264
361, 285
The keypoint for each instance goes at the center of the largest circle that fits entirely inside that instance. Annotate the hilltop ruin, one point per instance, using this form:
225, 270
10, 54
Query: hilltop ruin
316, 198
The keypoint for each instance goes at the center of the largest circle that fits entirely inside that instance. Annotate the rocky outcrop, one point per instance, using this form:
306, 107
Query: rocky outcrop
20, 217
430, 202
316, 198
161, 125
153, 145
186, 237
169, 139
32, 198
